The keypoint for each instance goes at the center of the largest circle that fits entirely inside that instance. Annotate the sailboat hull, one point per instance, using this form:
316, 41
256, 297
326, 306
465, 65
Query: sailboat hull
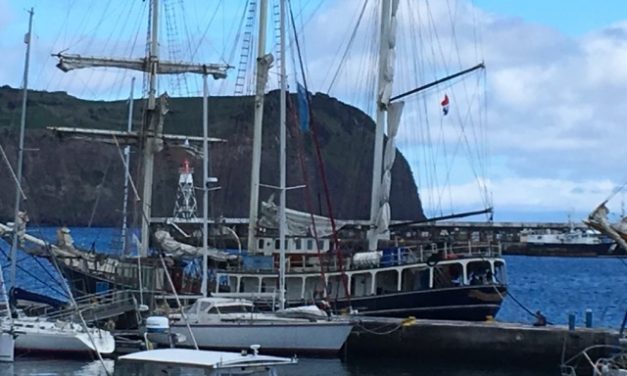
7, 347
39, 336
319, 338
60, 344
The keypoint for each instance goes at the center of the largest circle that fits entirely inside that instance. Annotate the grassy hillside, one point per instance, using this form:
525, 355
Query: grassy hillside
66, 178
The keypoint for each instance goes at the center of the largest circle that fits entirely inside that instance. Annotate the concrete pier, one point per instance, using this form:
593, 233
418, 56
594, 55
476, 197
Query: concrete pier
491, 342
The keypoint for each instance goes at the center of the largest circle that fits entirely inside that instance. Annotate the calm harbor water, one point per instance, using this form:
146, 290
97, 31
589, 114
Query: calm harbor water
556, 286
305, 367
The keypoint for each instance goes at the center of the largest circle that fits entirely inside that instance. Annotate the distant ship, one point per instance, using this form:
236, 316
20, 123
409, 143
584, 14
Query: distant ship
574, 242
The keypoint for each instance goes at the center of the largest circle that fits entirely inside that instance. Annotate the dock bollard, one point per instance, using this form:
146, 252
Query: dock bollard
571, 321
588, 318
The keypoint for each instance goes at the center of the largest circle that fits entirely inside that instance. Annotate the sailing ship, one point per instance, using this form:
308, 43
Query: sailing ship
372, 275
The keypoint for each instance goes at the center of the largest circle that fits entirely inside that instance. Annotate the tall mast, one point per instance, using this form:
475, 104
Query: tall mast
263, 64
380, 126
20, 152
150, 146
205, 185
282, 147
152, 134
127, 158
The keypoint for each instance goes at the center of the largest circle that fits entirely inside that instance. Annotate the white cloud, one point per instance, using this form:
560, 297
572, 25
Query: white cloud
532, 194
556, 118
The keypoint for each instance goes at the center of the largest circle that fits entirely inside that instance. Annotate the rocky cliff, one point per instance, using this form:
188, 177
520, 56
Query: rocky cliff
80, 182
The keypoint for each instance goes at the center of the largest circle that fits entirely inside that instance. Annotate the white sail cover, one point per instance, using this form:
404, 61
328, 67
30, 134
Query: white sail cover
38, 247
394, 111
389, 155
298, 222
181, 250
598, 220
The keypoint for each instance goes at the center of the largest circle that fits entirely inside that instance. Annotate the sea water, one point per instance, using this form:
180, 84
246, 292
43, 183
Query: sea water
555, 286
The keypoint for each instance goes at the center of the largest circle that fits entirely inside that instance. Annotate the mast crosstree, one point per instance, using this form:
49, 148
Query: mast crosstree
151, 136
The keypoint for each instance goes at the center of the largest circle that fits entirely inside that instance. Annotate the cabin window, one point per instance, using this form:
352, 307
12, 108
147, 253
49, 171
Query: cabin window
386, 282
277, 244
213, 311
500, 272
227, 283
479, 273
260, 243
314, 288
204, 306
235, 309
414, 279
232, 284
298, 243
361, 284
336, 286
321, 245
294, 288
309, 244
249, 284
269, 284
447, 275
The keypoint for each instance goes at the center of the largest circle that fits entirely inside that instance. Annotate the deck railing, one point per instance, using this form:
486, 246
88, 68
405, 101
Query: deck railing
393, 256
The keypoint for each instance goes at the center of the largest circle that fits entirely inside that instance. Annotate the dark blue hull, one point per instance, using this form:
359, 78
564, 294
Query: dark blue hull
469, 303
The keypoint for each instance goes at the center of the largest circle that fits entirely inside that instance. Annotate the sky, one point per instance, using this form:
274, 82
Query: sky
542, 127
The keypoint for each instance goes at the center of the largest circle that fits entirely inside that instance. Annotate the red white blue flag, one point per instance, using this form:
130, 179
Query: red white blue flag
444, 104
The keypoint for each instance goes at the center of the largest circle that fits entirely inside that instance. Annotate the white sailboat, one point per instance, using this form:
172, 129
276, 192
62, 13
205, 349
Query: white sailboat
37, 334
233, 324
42, 336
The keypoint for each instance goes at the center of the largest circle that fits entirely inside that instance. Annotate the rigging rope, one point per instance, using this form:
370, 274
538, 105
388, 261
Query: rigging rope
34, 276
325, 184
348, 45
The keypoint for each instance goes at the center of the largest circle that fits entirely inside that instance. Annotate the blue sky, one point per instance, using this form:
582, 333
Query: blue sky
572, 17
555, 146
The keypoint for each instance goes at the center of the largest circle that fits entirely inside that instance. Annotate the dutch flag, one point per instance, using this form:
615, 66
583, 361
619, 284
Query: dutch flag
444, 104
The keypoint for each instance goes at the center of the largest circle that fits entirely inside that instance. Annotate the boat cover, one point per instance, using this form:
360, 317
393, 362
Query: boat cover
206, 359
298, 222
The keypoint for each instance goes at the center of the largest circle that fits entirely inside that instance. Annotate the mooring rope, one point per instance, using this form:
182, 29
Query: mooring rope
359, 325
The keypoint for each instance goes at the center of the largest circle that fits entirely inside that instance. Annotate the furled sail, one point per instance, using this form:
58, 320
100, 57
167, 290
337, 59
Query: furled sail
394, 111
298, 222
598, 220
38, 247
181, 250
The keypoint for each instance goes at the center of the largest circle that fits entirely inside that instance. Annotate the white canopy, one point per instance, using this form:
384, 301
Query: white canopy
206, 359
